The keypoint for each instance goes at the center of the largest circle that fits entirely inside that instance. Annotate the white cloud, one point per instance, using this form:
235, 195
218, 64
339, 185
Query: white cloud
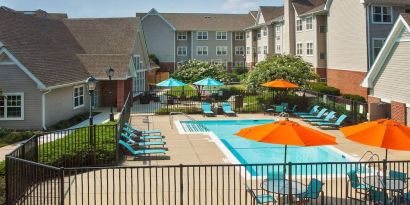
235, 5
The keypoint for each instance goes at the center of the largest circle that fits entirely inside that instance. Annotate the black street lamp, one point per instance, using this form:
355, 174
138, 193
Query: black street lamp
92, 84
110, 72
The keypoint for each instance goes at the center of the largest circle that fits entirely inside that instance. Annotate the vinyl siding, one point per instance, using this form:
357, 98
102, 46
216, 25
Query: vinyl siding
159, 37
183, 43
393, 80
250, 43
347, 42
306, 36
321, 41
13, 79
263, 41
238, 58
212, 43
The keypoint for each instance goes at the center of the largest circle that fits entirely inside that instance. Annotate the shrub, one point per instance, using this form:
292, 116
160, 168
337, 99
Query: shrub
194, 70
353, 97
8, 137
186, 110
323, 88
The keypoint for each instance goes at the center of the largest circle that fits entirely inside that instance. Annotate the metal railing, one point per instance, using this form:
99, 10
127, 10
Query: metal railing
193, 120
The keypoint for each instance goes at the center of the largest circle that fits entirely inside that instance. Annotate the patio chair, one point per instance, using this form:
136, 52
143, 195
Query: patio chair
293, 110
272, 175
207, 109
140, 152
396, 175
227, 109
141, 143
285, 105
133, 129
259, 199
355, 183
378, 197
279, 109
267, 109
328, 117
311, 112
313, 191
317, 116
142, 137
338, 122
406, 197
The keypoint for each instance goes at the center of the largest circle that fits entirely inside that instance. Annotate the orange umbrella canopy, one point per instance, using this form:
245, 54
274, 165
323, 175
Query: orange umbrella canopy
287, 133
280, 84
382, 133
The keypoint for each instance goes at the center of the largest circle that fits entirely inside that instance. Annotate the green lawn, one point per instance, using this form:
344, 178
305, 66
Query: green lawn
177, 91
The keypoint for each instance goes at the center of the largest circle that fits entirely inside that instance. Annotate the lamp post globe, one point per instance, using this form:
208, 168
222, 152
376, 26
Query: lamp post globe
110, 72
91, 84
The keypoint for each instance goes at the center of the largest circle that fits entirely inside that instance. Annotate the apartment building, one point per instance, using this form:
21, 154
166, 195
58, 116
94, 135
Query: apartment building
178, 37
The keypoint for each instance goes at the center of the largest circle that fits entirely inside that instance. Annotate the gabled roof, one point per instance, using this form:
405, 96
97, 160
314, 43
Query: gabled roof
206, 21
97, 63
403, 22
44, 46
270, 13
254, 14
303, 7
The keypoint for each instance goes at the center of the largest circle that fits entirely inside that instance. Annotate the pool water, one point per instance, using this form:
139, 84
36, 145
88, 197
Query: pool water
252, 152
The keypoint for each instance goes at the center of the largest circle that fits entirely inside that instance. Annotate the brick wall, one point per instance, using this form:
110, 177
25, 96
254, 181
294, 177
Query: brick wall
167, 66
321, 72
105, 88
398, 112
123, 88
347, 81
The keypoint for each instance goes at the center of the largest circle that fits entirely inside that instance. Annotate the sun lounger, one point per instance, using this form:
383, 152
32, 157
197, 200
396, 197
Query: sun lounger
311, 112
141, 143
140, 152
143, 137
338, 122
207, 109
133, 129
328, 117
226, 107
317, 116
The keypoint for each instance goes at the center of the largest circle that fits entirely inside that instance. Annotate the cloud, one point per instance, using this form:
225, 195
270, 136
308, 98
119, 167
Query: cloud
235, 5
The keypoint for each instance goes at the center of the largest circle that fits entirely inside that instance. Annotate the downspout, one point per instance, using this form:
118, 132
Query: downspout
368, 36
43, 109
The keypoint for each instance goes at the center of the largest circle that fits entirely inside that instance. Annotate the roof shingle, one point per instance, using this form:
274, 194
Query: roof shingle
271, 12
305, 6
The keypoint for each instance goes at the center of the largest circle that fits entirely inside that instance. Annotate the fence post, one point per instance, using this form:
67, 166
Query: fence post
117, 153
290, 196
62, 185
7, 180
181, 185
384, 181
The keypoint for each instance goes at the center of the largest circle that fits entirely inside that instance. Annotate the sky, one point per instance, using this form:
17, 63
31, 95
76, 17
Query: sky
121, 8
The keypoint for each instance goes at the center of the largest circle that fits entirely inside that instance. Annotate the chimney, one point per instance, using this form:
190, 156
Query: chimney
289, 26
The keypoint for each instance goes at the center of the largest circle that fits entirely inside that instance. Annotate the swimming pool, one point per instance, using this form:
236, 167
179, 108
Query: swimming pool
247, 151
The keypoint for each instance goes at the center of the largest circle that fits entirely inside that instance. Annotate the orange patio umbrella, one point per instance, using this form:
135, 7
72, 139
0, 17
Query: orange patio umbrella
280, 84
286, 132
383, 133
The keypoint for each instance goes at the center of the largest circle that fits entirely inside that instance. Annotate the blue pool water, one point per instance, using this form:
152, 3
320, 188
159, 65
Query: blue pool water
252, 152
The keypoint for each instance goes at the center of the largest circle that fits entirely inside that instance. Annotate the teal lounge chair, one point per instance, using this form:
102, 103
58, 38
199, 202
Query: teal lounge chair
328, 117
143, 137
226, 107
396, 175
279, 109
141, 143
293, 110
317, 116
313, 190
356, 184
311, 112
338, 122
260, 199
207, 110
407, 197
140, 152
378, 197
133, 129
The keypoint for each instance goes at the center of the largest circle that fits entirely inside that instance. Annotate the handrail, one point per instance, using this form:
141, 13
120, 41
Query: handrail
171, 119
365, 154
372, 158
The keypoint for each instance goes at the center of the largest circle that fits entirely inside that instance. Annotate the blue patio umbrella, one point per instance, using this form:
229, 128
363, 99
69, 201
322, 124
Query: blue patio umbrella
171, 83
208, 82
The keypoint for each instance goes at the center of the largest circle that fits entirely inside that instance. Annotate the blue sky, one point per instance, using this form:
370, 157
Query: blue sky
117, 8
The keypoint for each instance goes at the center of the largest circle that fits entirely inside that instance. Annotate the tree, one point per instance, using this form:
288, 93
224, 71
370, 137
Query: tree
194, 70
153, 58
287, 67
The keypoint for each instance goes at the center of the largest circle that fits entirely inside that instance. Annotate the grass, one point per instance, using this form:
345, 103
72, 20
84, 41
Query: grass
177, 91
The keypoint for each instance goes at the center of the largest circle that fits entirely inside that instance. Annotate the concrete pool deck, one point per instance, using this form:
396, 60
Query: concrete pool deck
192, 149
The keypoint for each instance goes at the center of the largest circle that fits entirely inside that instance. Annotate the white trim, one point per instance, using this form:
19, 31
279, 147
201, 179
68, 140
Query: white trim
216, 49
21, 94
175, 47
372, 46
306, 22
243, 49
301, 23
243, 35
186, 35
313, 48
299, 43
382, 22
328, 4
154, 12
40, 85
82, 105
207, 50
207, 35
216, 35
43, 109
186, 50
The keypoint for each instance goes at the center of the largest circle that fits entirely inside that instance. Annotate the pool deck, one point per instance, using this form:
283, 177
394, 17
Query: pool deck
192, 149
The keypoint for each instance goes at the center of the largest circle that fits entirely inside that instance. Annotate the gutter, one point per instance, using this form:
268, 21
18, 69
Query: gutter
43, 109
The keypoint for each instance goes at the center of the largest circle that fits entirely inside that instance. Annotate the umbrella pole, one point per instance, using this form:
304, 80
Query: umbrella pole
386, 154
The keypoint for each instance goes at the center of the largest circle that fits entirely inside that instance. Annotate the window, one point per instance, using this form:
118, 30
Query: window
78, 96
278, 38
139, 83
299, 49
239, 50
248, 50
248, 34
218, 62
259, 50
265, 49
202, 35
382, 14
182, 51
278, 29
309, 49
278, 48
258, 35
265, 31
12, 106
323, 29
221, 50
182, 36
322, 56
202, 50
299, 25
239, 36
221, 35
309, 23
377, 46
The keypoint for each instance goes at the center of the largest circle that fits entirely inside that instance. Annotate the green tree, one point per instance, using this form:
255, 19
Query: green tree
153, 58
287, 67
194, 70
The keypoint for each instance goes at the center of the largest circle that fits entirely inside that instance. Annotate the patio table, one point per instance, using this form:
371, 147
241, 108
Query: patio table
281, 187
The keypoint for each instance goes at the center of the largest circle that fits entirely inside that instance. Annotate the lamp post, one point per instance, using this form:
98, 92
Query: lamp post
92, 84
110, 72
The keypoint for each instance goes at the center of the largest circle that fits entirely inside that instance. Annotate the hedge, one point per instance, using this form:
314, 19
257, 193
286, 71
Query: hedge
186, 110
323, 88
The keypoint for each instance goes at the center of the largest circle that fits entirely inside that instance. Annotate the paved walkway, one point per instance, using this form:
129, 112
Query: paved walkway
101, 118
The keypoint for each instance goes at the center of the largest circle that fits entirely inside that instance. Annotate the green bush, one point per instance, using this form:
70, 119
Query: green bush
153, 58
8, 137
323, 88
194, 70
353, 97
186, 110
